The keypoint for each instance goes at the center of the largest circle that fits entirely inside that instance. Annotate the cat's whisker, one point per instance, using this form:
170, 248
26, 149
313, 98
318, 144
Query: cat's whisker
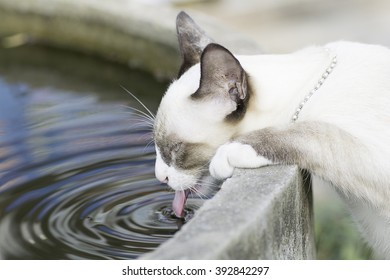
140, 127
208, 183
201, 194
145, 136
140, 113
146, 118
140, 102
197, 192
139, 120
148, 144
204, 168
209, 186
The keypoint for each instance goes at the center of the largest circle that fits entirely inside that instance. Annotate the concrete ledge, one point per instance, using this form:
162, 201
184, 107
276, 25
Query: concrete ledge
120, 30
258, 214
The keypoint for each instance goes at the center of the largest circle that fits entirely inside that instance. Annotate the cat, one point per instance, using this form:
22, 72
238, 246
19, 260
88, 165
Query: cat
325, 109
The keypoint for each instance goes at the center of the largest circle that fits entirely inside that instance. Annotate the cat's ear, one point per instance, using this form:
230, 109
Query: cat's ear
222, 77
192, 41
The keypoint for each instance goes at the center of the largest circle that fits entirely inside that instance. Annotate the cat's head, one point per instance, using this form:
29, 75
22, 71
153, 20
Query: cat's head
200, 110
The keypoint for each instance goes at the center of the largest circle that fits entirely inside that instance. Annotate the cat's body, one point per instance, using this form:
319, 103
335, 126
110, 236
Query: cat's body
237, 112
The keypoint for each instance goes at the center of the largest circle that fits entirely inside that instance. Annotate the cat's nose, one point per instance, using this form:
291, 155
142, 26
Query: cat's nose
163, 179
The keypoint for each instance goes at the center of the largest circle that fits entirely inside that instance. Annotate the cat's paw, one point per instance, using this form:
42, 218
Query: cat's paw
232, 155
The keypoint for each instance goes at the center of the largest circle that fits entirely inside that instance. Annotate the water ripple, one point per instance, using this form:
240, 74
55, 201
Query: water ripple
76, 182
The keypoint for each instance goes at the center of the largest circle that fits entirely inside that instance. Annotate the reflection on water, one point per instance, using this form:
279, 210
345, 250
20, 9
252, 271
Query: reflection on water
77, 178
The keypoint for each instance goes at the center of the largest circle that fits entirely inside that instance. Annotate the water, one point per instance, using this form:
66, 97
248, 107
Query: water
76, 171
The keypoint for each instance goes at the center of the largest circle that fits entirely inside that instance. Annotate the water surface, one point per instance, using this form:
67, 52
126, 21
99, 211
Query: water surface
76, 166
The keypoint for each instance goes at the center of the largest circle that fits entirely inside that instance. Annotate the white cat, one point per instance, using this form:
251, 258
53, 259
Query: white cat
325, 109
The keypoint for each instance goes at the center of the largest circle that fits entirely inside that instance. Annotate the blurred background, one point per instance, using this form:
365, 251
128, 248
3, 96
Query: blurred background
32, 40
286, 25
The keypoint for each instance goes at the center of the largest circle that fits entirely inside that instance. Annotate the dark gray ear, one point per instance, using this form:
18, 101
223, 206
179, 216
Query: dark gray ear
192, 41
222, 76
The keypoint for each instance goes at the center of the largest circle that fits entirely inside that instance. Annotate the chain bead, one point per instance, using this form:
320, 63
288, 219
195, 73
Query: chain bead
320, 82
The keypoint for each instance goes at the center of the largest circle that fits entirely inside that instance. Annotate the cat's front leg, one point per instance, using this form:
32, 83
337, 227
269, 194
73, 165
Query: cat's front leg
235, 155
321, 148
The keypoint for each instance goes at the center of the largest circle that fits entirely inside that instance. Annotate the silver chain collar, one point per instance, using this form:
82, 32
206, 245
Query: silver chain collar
320, 82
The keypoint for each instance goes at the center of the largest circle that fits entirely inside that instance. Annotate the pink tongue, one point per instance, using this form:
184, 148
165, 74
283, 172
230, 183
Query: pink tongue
179, 201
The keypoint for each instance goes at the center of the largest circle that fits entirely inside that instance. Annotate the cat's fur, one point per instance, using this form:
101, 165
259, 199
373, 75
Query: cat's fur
228, 111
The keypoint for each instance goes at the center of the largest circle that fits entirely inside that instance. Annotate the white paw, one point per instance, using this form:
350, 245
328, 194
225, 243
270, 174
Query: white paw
220, 167
232, 155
